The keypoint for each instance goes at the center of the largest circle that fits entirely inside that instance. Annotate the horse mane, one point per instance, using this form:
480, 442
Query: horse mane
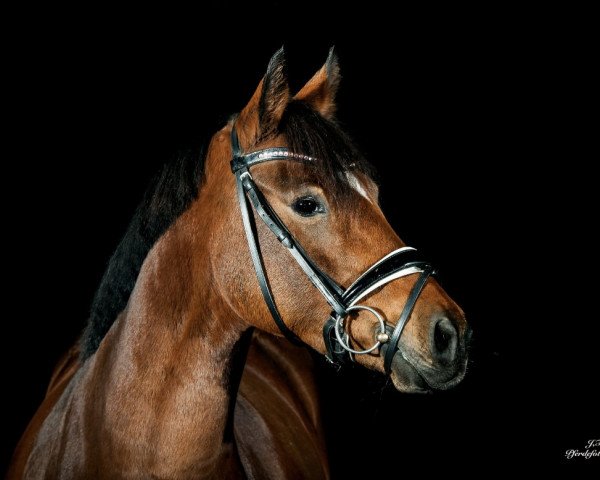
175, 187
309, 133
170, 193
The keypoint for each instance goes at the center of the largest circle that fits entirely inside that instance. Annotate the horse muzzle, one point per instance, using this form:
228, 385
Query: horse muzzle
441, 366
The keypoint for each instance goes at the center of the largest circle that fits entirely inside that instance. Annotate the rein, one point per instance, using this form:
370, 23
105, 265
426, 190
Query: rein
399, 263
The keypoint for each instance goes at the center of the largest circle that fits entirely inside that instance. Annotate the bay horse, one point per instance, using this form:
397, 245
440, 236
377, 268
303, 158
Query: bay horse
188, 366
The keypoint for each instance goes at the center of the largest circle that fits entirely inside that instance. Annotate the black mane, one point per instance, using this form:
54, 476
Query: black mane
168, 196
176, 186
309, 133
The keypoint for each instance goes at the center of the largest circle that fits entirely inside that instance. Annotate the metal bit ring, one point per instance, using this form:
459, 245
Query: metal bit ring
339, 336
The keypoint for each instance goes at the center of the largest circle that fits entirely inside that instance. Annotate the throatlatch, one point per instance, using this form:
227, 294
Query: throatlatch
399, 263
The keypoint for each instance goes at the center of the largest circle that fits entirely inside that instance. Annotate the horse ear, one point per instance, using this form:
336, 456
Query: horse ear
319, 92
261, 116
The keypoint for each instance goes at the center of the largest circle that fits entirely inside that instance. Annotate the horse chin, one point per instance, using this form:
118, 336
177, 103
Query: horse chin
406, 378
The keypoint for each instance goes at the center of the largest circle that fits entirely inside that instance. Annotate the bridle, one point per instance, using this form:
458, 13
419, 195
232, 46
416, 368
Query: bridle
399, 263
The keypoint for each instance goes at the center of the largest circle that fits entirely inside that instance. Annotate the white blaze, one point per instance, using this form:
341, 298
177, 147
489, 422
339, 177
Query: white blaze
356, 185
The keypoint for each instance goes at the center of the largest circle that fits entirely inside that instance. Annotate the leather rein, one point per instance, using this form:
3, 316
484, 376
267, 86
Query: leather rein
399, 263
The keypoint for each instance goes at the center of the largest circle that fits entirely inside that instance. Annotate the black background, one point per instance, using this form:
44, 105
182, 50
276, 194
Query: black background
477, 123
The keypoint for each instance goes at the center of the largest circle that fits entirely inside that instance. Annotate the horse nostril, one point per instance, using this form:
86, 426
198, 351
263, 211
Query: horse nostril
445, 339
442, 339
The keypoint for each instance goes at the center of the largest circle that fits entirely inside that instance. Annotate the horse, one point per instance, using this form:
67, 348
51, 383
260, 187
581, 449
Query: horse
193, 362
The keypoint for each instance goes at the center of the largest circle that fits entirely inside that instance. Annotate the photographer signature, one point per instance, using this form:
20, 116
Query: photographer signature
592, 449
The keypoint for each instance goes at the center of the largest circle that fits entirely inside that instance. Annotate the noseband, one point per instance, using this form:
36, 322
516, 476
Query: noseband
399, 263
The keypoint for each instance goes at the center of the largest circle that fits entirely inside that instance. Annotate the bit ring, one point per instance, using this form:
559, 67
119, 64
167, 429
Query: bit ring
345, 345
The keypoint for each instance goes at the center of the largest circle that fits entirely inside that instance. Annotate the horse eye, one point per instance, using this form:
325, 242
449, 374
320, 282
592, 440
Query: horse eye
307, 206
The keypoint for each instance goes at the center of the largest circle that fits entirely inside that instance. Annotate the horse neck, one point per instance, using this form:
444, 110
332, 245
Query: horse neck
166, 363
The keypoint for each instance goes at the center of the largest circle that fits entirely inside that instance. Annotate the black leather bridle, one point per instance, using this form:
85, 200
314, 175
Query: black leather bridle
399, 263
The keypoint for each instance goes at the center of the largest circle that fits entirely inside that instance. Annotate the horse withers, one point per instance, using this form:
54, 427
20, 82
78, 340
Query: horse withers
279, 231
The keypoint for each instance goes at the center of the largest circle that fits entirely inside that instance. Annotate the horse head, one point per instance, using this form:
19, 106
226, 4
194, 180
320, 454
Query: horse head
313, 226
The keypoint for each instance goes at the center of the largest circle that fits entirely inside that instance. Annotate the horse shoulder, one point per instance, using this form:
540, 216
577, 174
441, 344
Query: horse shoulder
277, 426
